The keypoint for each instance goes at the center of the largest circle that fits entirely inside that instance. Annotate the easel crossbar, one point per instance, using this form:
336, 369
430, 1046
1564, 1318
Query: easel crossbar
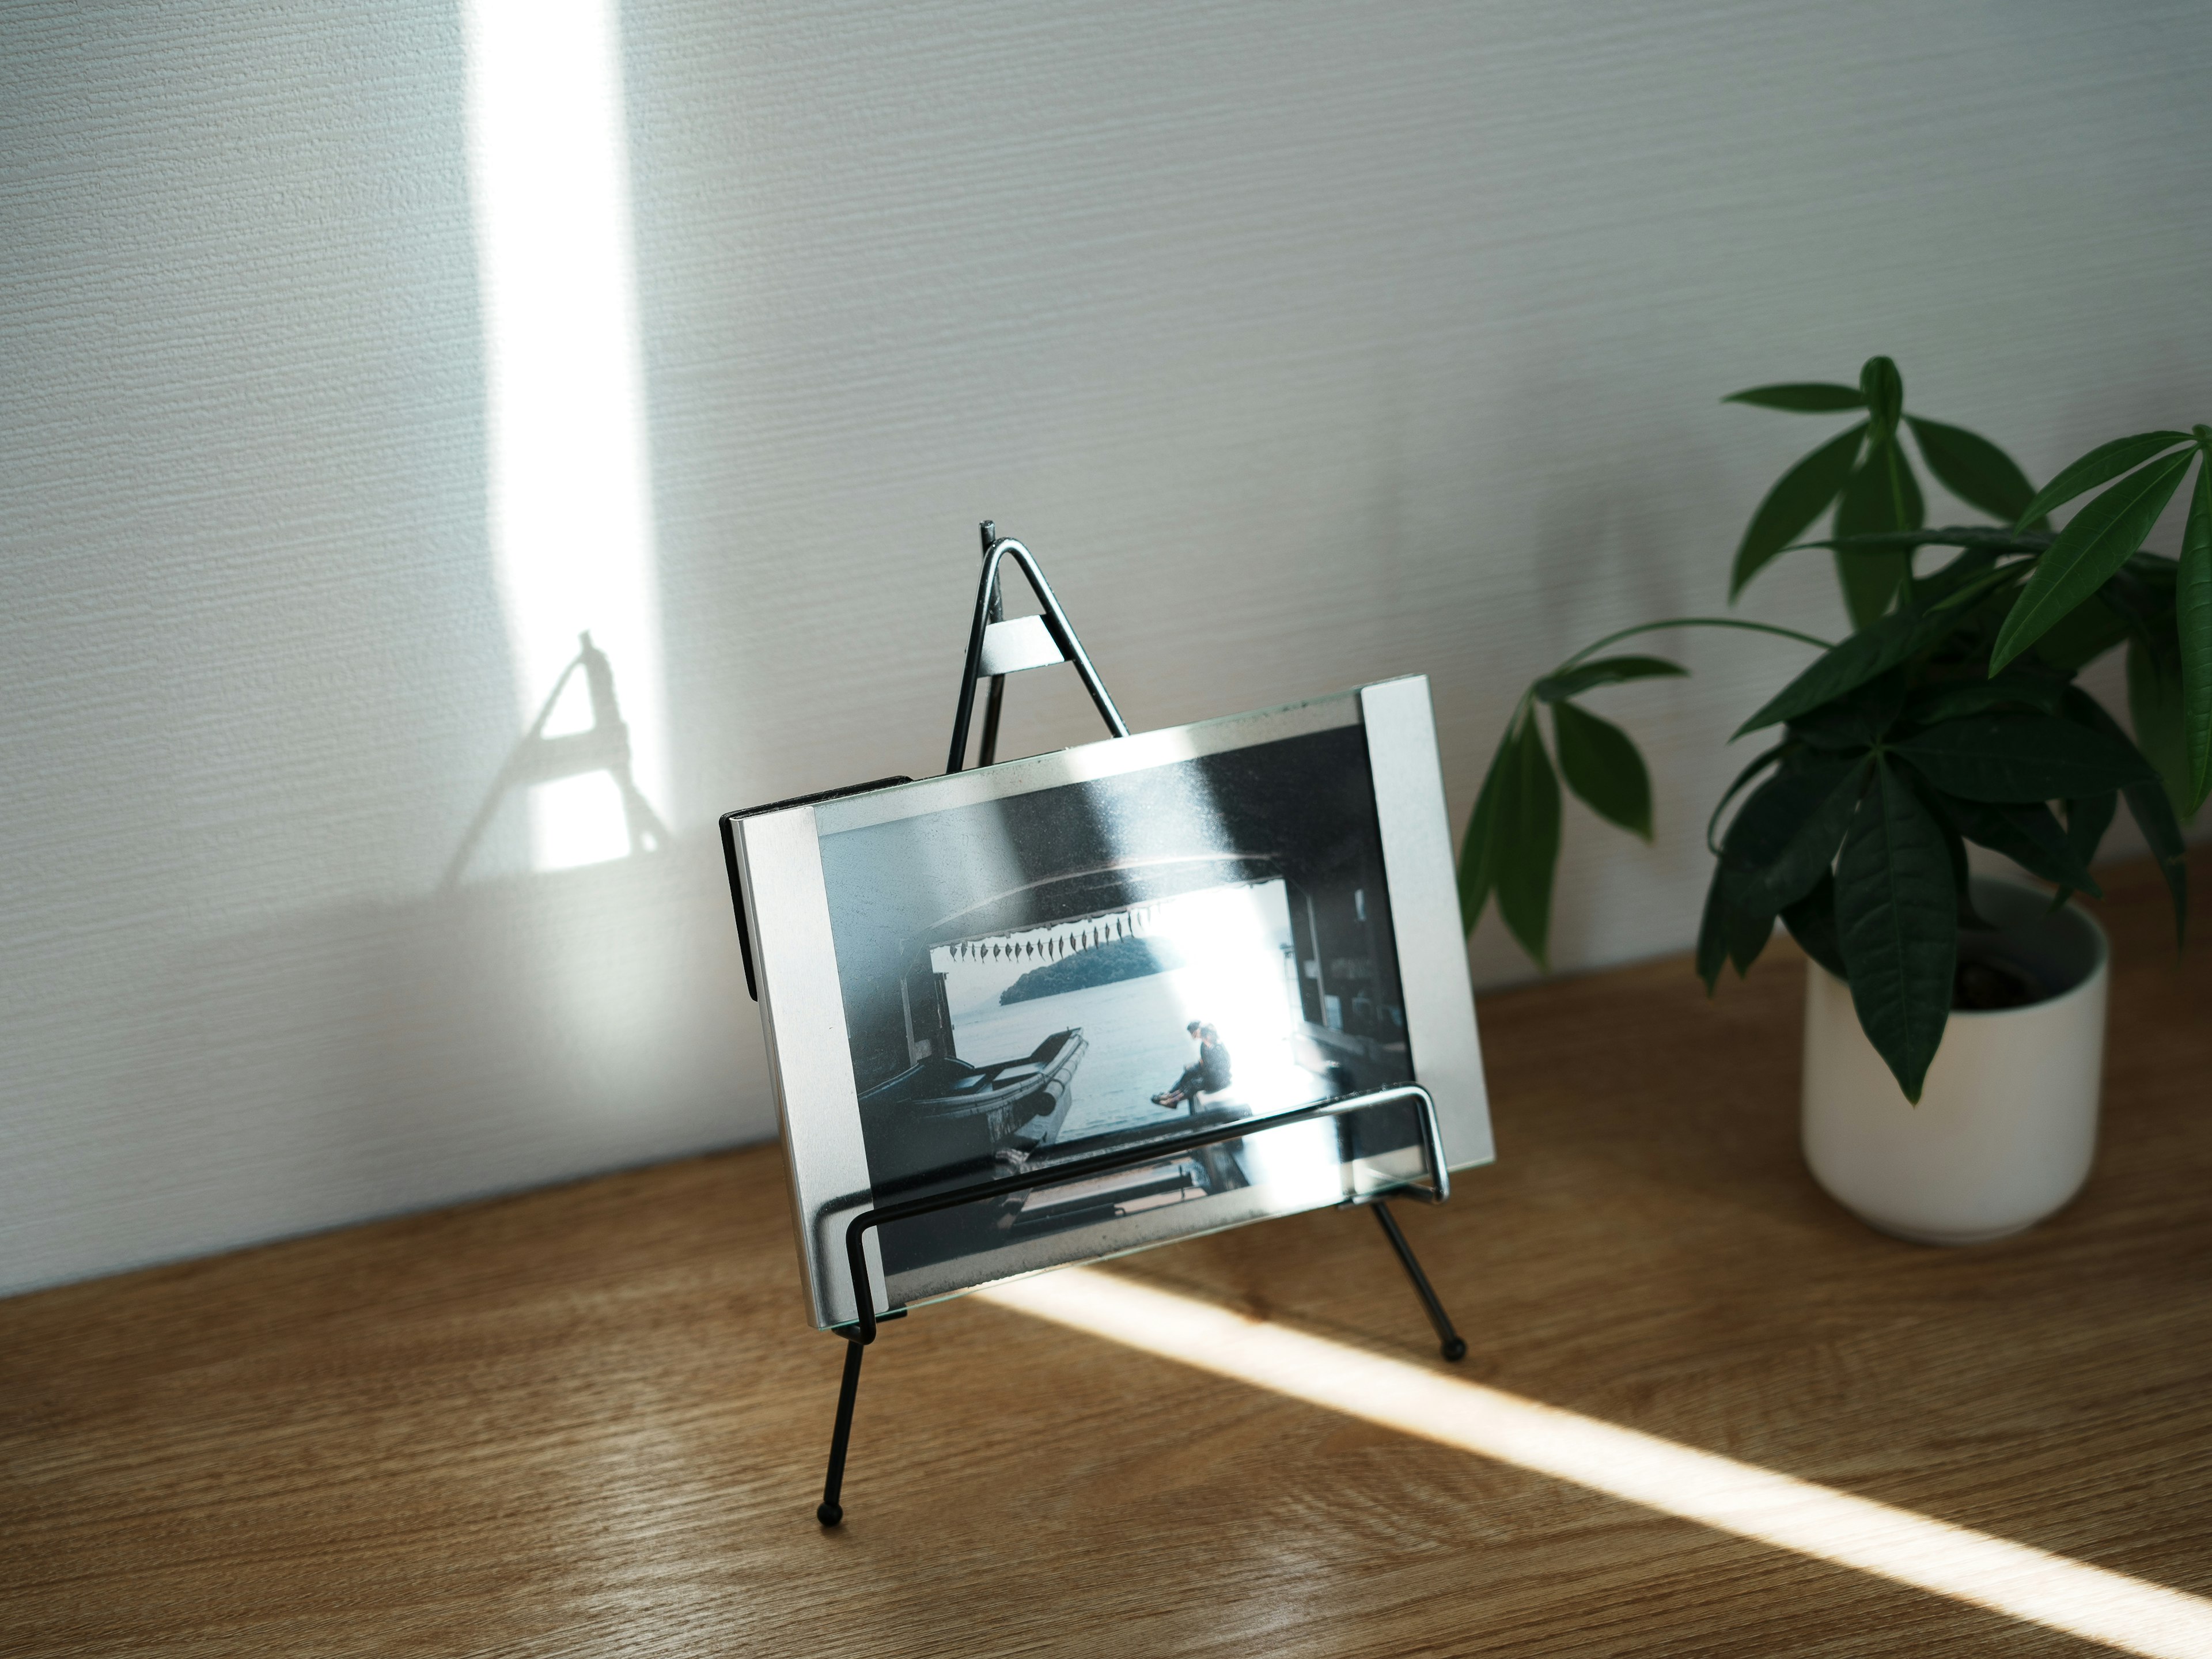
863, 1330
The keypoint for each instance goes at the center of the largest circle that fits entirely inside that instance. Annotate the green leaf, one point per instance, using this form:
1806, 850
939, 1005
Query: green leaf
1897, 923
1478, 854
1749, 931
2153, 573
2153, 816
1778, 847
1604, 671
1882, 495
1909, 501
1952, 535
2030, 836
1954, 844
2086, 820
2082, 635
1729, 931
1843, 667
2088, 550
2154, 710
2015, 689
1785, 837
1812, 923
2105, 461
1801, 398
1712, 931
1974, 469
2153, 812
1883, 388
1803, 494
1858, 718
2142, 591
1965, 595
1528, 832
2008, 758
1736, 788
1970, 566
2192, 619
1601, 766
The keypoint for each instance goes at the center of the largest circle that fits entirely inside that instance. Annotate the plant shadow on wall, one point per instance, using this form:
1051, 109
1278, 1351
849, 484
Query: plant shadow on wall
1949, 714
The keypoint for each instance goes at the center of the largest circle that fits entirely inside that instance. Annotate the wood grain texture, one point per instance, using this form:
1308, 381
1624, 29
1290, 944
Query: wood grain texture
590, 1421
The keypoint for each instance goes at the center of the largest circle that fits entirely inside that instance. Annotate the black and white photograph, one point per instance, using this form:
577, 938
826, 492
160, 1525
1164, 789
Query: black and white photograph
1054, 975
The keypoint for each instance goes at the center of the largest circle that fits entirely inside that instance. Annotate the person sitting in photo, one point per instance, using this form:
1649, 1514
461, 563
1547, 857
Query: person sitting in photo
1209, 1075
1193, 1075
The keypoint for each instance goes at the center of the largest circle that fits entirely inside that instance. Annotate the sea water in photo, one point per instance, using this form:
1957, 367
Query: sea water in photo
1223, 957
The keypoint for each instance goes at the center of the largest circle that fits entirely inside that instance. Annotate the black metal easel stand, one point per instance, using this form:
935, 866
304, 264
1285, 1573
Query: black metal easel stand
996, 648
830, 1511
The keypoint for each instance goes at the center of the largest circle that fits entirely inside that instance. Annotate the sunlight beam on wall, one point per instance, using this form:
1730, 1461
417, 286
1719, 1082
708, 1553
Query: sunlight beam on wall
1769, 1508
570, 496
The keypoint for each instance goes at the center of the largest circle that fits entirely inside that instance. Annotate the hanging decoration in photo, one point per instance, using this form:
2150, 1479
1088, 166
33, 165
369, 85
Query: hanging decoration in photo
1060, 941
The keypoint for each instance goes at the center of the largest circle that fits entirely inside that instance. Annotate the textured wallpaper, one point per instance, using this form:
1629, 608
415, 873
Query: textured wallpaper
354, 359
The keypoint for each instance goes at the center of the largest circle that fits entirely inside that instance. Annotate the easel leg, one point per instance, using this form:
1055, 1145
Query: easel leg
830, 1512
1453, 1347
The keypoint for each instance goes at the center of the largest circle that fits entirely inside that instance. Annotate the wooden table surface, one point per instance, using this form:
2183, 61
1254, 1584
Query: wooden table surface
590, 1420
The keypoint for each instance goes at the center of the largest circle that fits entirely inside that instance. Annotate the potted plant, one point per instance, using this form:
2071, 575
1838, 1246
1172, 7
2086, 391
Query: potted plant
1958, 1099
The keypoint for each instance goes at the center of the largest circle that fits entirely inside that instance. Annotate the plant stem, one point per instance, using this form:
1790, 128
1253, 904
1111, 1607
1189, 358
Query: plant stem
1693, 622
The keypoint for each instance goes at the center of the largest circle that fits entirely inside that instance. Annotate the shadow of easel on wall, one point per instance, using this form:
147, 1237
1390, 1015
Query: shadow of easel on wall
603, 746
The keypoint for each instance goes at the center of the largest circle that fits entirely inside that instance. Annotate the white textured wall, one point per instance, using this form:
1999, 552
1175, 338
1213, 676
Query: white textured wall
1306, 345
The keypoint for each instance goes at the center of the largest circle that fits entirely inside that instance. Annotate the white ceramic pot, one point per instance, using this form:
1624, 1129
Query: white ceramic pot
2007, 1122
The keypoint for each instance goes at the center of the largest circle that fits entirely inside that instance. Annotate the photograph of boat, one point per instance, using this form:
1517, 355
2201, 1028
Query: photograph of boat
1097, 966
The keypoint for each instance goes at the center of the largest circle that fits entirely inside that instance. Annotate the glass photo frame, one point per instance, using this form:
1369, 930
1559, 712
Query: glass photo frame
981, 977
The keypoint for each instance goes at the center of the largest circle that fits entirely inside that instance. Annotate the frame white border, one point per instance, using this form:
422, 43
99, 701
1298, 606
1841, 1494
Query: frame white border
802, 1006
1422, 880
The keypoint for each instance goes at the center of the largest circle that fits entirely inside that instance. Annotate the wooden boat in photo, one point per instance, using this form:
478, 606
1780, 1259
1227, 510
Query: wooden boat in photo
943, 1114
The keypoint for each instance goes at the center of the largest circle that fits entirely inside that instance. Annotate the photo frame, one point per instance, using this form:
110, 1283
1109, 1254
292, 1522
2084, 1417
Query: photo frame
997, 971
